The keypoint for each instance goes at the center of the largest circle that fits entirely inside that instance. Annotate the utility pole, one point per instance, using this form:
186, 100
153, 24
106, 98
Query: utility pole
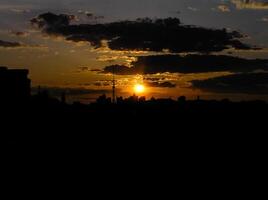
113, 100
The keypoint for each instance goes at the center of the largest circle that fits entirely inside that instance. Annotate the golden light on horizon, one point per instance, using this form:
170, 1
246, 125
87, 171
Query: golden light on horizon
139, 88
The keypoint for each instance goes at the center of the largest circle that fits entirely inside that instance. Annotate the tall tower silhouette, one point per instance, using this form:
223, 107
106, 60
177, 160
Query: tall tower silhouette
113, 100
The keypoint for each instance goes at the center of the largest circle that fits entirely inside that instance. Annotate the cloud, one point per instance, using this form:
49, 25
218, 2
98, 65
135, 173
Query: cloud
95, 70
249, 83
251, 4
152, 79
90, 15
192, 9
18, 10
165, 84
188, 64
16, 45
264, 19
86, 69
51, 22
103, 83
83, 69
7, 44
119, 70
19, 33
224, 8
141, 34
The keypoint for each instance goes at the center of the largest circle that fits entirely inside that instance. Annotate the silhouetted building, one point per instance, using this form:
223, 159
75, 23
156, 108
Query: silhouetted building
142, 99
104, 100
119, 100
182, 99
14, 84
63, 98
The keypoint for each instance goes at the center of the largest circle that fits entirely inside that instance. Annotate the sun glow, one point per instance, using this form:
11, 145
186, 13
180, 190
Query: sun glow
138, 88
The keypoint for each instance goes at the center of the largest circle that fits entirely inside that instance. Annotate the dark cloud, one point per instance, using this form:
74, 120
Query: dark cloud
161, 84
10, 44
20, 33
153, 79
87, 69
51, 22
98, 84
95, 70
103, 83
158, 82
142, 34
82, 69
119, 70
253, 83
188, 64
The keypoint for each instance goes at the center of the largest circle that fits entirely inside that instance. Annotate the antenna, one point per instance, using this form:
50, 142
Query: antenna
113, 100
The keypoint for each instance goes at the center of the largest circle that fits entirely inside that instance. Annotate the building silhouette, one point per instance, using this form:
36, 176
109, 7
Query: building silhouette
14, 84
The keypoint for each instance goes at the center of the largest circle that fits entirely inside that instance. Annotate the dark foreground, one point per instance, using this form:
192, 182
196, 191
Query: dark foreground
136, 140
133, 121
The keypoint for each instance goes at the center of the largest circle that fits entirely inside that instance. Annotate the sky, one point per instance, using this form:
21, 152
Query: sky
56, 61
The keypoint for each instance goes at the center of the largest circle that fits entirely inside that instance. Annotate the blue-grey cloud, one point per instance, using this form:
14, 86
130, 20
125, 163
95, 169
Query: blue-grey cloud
249, 83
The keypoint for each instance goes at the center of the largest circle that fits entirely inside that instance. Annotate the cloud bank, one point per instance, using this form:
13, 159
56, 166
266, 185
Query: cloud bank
251, 4
141, 34
253, 83
8, 44
188, 64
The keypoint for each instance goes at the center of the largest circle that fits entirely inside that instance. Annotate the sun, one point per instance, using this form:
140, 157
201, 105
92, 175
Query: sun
138, 88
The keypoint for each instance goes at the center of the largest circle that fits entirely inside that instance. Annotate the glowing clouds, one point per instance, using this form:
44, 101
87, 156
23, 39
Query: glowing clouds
251, 4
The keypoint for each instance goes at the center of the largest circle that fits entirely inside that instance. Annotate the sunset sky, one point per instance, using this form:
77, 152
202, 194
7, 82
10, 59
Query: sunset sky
61, 54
